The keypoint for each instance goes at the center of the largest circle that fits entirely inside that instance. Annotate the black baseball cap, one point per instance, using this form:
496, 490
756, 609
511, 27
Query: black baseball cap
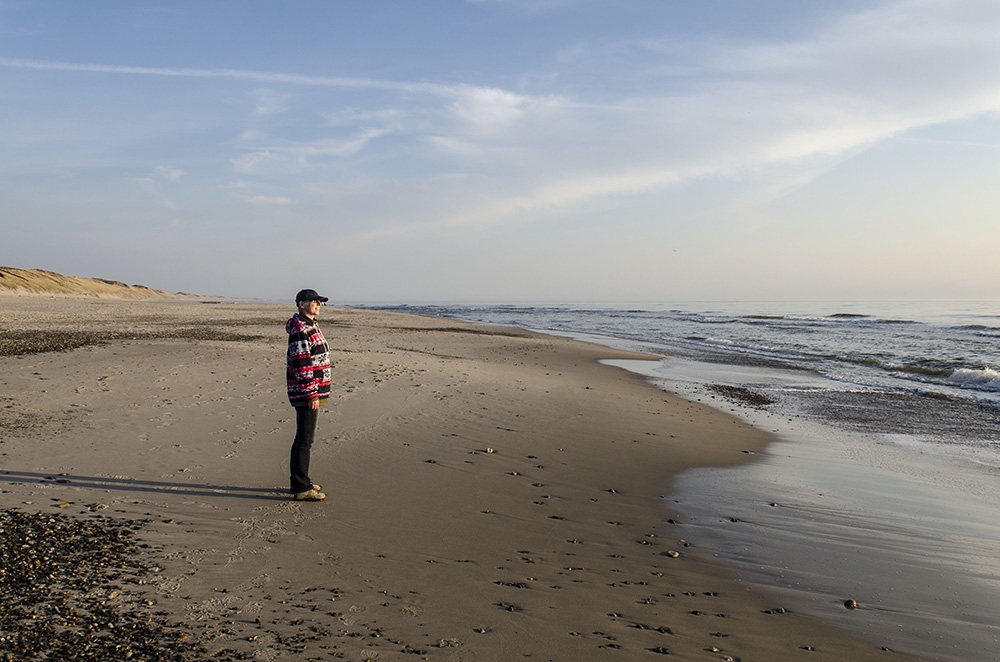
309, 295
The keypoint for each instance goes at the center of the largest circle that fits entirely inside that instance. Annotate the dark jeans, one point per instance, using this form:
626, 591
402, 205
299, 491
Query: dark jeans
305, 430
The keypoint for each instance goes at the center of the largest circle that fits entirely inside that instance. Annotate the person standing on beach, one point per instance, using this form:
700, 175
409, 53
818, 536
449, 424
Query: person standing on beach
308, 375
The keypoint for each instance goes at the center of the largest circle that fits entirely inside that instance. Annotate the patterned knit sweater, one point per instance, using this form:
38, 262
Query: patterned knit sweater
308, 363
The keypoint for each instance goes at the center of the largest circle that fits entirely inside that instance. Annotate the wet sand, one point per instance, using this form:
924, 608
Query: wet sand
493, 494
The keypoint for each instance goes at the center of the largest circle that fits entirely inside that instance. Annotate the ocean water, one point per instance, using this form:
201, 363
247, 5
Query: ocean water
930, 370
882, 486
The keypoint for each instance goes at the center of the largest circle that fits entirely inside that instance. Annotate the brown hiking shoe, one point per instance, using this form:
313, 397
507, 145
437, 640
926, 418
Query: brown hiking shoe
310, 495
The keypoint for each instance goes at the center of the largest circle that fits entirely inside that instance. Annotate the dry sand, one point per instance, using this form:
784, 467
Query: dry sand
494, 494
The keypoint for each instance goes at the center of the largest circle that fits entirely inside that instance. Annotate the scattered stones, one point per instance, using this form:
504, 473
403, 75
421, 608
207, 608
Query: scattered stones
506, 606
662, 629
742, 395
63, 583
512, 584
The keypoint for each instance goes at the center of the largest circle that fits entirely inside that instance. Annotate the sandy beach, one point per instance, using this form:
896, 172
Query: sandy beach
494, 494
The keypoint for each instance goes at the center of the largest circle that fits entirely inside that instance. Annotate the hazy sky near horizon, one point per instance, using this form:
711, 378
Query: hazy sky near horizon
506, 150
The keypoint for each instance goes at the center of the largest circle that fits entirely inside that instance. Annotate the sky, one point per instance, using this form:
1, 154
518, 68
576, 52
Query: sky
401, 151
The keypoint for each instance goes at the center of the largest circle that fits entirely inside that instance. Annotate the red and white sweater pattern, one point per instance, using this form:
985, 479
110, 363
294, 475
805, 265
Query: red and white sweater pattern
308, 365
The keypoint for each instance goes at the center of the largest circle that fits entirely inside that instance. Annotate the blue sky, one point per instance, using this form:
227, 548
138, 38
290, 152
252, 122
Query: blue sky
506, 150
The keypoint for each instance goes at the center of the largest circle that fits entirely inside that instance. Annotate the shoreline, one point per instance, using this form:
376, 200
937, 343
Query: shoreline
559, 544
926, 579
830, 514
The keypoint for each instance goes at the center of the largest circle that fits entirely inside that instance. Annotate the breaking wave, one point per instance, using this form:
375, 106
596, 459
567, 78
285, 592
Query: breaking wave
986, 379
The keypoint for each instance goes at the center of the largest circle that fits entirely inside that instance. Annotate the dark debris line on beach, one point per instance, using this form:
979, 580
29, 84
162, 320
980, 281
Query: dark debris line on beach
742, 395
29, 341
69, 590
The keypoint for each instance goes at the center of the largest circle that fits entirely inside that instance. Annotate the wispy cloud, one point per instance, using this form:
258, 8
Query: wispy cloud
451, 91
271, 102
496, 209
236, 74
153, 184
490, 109
345, 147
299, 155
389, 117
253, 161
269, 201
169, 174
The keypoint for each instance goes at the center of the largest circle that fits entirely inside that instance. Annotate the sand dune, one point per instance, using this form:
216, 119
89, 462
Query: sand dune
39, 281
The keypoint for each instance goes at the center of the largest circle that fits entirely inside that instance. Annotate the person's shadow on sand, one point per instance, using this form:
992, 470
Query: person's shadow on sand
135, 485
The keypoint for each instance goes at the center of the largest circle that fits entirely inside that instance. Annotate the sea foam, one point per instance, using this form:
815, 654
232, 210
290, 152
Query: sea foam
985, 379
